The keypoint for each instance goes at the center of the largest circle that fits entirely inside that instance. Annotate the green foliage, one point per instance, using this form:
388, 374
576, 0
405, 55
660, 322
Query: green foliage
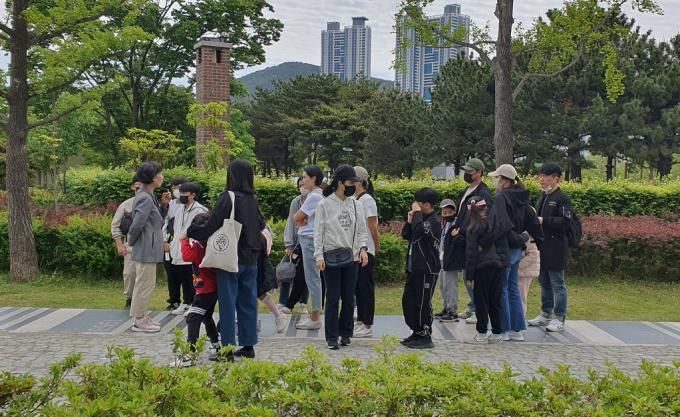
391, 385
150, 145
391, 261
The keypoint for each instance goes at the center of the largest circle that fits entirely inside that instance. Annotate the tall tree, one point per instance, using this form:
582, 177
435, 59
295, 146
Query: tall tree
51, 45
553, 46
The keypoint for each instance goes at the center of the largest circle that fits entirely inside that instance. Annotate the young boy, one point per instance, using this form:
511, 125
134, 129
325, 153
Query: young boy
423, 231
203, 307
448, 276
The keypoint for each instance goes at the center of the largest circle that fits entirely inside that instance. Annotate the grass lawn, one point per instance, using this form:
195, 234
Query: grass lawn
589, 298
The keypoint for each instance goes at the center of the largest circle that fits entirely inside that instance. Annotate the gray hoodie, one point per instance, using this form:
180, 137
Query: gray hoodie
339, 224
146, 231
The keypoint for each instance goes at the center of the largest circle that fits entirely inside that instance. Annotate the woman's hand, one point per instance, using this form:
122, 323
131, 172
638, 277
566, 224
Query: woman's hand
321, 265
166, 247
363, 257
455, 232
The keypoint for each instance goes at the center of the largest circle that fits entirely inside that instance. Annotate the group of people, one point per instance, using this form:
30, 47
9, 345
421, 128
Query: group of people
497, 246
332, 237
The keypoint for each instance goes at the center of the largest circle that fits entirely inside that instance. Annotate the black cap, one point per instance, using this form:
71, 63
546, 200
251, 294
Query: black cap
346, 173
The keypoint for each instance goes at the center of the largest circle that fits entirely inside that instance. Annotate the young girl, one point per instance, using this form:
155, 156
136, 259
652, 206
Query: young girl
340, 241
266, 281
484, 270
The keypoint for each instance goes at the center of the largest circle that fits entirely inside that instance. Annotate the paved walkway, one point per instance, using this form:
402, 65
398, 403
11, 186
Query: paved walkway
33, 338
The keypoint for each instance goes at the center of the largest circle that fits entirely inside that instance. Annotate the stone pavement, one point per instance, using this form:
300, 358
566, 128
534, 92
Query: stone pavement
33, 338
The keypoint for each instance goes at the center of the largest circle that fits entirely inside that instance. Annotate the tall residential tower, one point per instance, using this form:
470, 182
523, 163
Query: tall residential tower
420, 64
346, 53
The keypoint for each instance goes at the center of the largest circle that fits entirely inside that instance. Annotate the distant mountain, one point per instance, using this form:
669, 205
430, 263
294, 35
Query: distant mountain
288, 70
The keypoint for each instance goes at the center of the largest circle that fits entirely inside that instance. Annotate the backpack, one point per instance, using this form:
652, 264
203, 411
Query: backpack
125, 223
574, 231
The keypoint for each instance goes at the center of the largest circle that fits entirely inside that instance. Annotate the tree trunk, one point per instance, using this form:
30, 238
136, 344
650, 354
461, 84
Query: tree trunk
611, 163
664, 166
575, 171
502, 138
23, 258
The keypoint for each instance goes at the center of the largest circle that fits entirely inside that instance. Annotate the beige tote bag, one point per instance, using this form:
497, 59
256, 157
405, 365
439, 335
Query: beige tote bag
222, 249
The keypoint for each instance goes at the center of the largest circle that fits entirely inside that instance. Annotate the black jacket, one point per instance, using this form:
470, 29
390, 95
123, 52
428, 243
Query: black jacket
511, 215
483, 252
247, 213
449, 247
423, 234
555, 208
454, 257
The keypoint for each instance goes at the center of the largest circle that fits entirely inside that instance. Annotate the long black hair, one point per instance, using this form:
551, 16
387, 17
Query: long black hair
240, 177
330, 188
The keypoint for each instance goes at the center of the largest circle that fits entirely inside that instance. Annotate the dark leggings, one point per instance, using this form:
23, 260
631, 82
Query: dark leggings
299, 292
487, 294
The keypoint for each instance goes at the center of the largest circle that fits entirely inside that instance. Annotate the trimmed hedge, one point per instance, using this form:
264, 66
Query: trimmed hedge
391, 385
624, 247
96, 187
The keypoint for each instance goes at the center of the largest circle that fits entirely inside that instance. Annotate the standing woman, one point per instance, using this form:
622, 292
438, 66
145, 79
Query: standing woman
340, 239
365, 289
288, 296
237, 291
312, 178
146, 239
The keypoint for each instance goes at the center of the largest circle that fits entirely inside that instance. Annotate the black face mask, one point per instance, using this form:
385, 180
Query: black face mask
467, 177
184, 199
350, 190
449, 218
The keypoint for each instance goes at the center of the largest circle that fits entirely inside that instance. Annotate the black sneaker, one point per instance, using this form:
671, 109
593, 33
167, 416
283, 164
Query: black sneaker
408, 339
221, 357
128, 303
441, 313
172, 306
449, 317
345, 341
333, 346
421, 342
245, 353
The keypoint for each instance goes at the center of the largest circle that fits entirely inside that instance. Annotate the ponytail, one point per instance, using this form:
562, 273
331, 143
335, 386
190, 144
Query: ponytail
330, 189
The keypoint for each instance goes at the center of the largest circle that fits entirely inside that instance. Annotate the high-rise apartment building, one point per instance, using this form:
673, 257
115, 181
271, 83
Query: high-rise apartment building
420, 64
346, 53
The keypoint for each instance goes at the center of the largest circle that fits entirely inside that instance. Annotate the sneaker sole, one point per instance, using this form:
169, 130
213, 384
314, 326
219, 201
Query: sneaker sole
362, 336
137, 329
449, 320
554, 331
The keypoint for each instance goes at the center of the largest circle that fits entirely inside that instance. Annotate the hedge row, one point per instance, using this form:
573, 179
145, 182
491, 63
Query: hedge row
391, 385
96, 187
625, 247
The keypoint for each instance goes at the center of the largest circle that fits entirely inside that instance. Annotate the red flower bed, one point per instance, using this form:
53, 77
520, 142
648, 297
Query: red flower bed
654, 229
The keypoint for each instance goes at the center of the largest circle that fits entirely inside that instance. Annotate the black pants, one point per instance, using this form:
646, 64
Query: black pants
416, 302
298, 294
180, 277
340, 285
365, 292
487, 294
202, 311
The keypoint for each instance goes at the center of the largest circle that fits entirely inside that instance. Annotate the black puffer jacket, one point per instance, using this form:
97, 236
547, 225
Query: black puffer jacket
454, 256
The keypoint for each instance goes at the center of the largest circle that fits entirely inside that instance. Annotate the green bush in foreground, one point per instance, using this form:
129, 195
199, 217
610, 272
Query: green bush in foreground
392, 385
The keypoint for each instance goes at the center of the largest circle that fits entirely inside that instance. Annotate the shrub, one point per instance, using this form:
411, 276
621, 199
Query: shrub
392, 385
96, 187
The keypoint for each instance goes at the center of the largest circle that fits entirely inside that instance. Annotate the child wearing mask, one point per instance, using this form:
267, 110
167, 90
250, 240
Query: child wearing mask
448, 276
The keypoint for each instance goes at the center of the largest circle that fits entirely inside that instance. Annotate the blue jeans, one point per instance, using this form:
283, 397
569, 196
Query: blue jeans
512, 311
237, 294
312, 274
553, 294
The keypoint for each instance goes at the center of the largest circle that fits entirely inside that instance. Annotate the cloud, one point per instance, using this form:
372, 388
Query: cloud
305, 19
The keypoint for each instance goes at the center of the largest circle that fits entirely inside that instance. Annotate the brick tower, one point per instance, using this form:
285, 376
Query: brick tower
213, 75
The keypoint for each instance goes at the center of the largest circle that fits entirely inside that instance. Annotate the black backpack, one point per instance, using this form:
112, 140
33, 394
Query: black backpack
125, 223
574, 231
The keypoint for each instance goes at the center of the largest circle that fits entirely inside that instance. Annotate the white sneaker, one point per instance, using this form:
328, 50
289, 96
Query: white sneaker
516, 336
308, 324
214, 348
364, 332
495, 339
180, 310
539, 321
143, 325
148, 318
186, 313
479, 339
505, 336
472, 319
285, 310
555, 326
183, 362
281, 323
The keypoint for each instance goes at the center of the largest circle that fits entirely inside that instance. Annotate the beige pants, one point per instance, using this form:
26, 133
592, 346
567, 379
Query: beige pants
145, 282
529, 268
129, 274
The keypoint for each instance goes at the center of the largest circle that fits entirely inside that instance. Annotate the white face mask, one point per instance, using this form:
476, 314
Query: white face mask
175, 193
304, 191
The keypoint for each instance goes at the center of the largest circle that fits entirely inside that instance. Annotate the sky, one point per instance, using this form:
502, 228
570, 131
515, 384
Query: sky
305, 19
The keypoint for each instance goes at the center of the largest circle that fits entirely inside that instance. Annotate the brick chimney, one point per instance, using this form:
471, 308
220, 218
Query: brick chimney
213, 75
